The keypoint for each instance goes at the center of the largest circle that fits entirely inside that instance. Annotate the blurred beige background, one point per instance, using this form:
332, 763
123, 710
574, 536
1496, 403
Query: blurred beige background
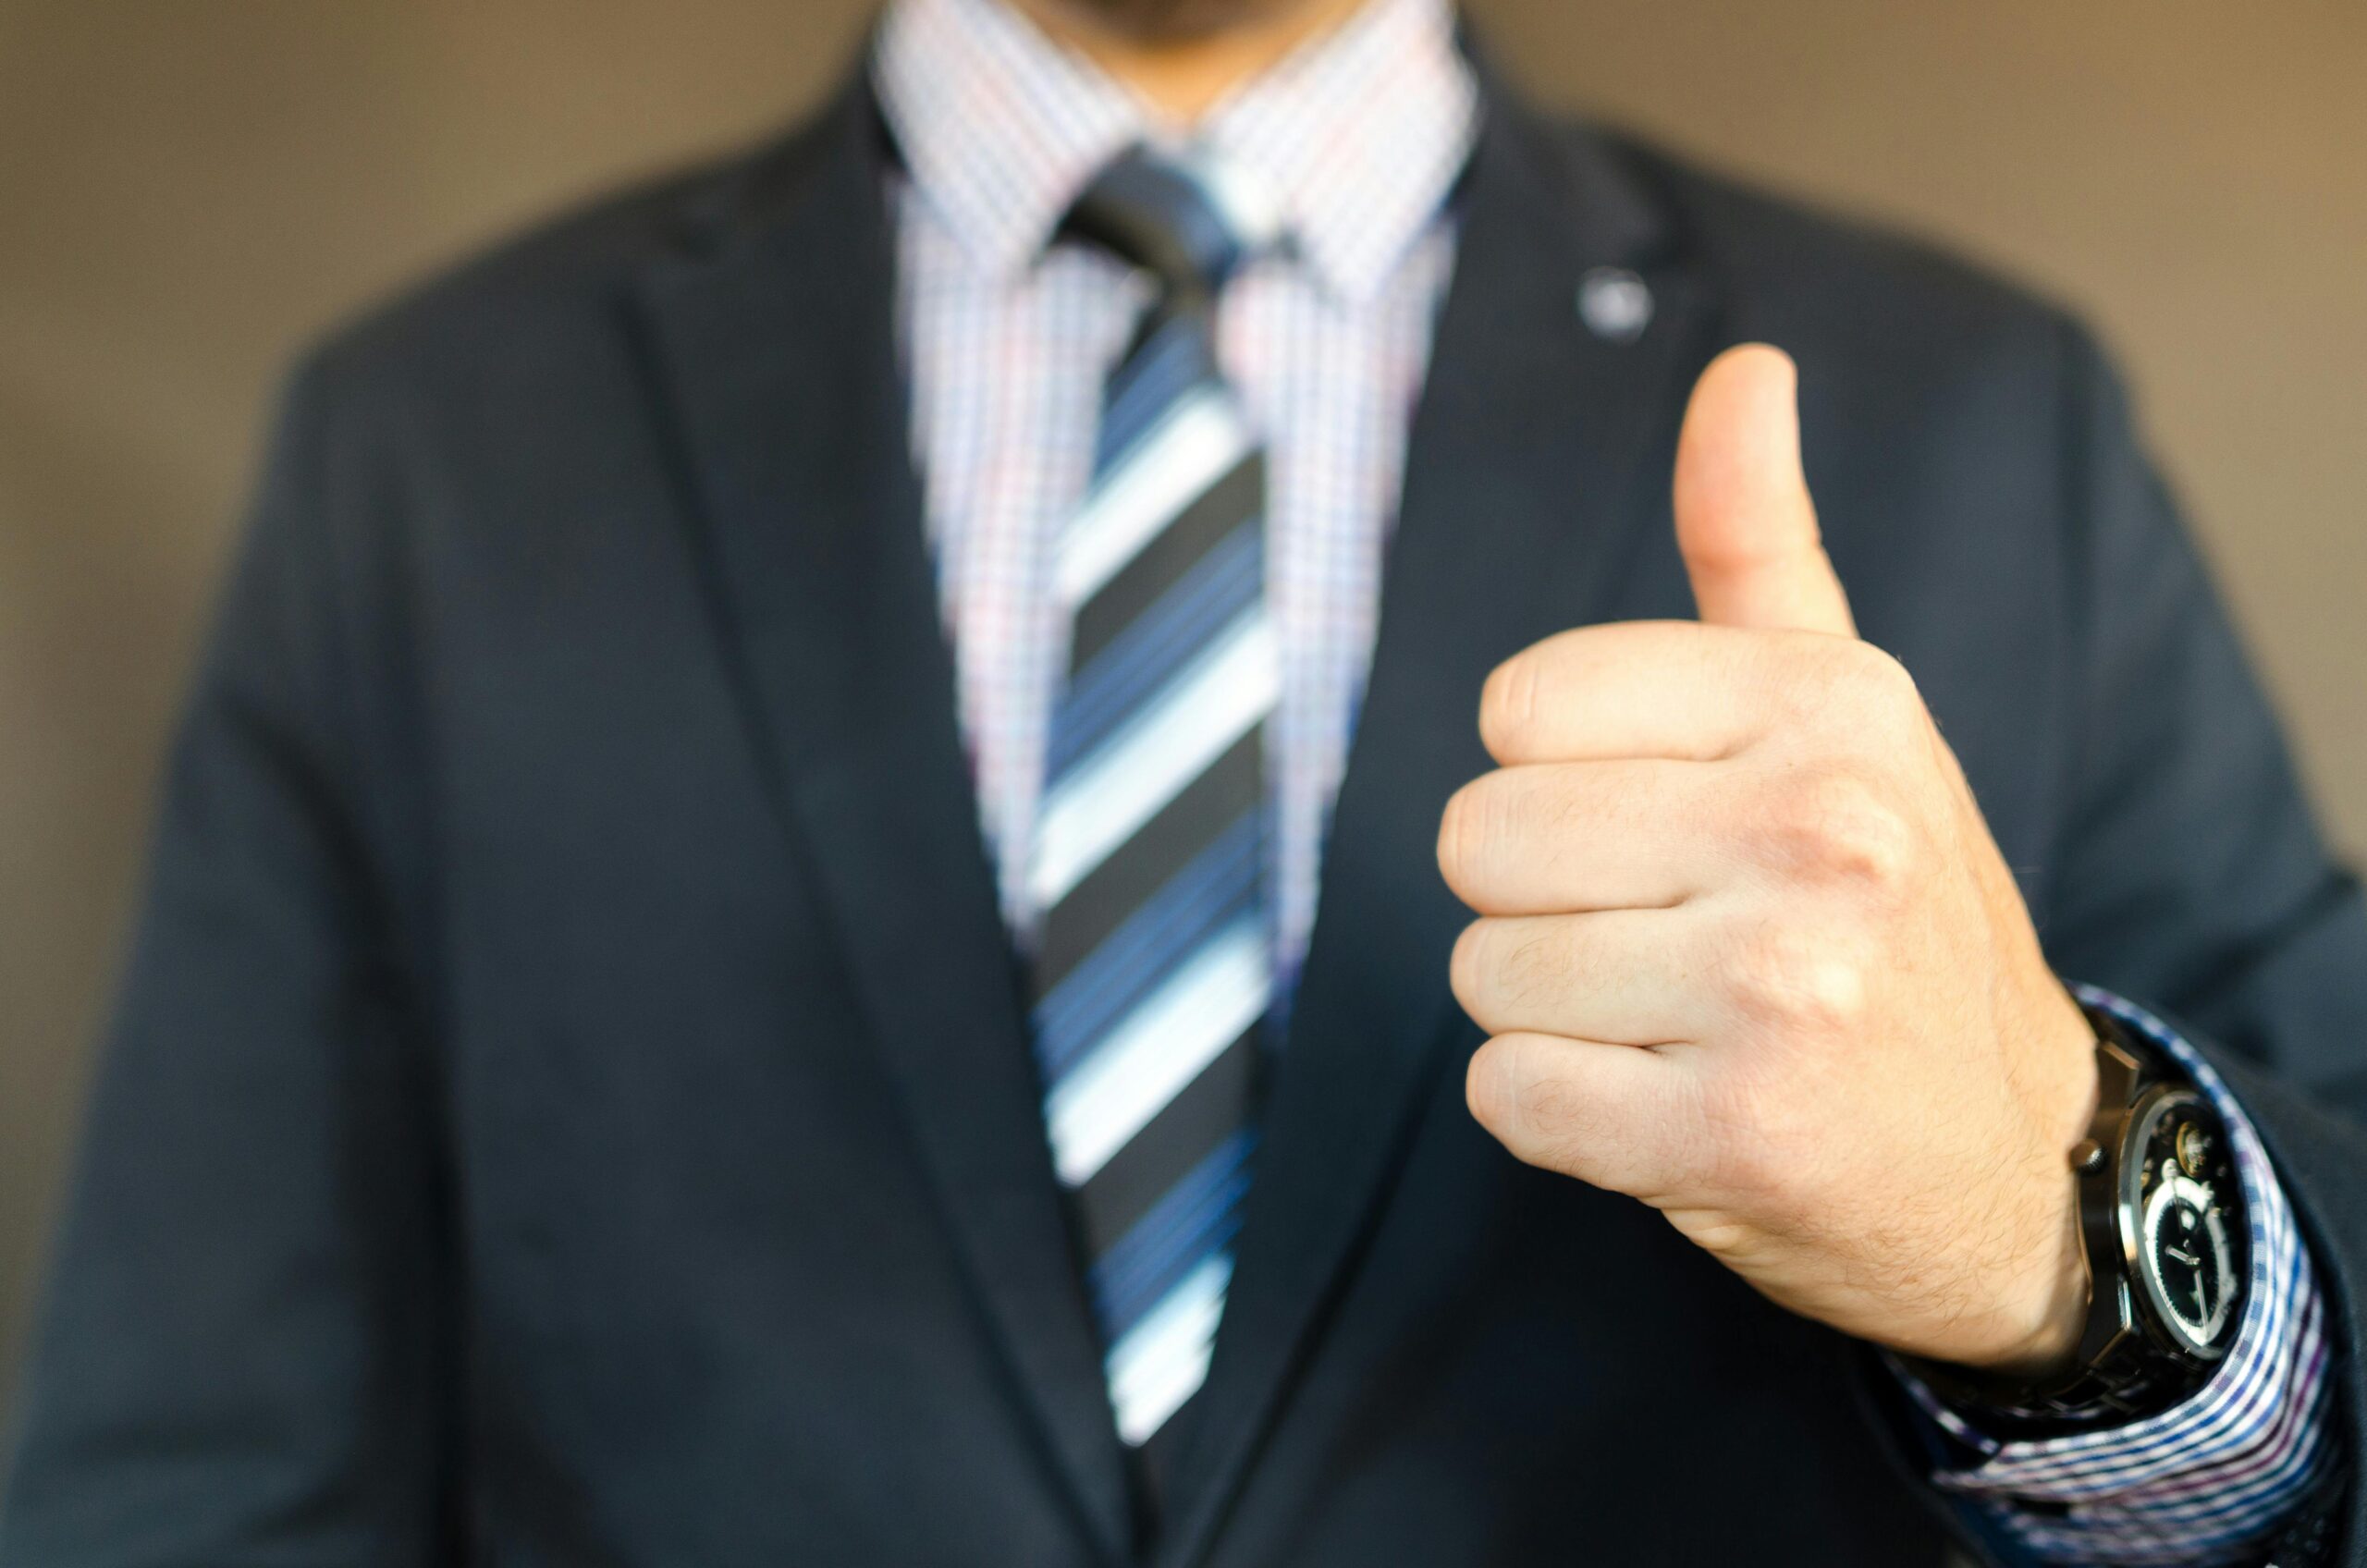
190, 188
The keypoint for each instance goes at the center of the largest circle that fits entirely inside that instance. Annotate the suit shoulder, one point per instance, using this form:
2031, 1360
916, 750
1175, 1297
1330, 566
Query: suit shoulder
531, 295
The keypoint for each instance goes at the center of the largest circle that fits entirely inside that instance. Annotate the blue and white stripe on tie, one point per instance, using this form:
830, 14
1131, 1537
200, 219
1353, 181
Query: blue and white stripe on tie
1154, 969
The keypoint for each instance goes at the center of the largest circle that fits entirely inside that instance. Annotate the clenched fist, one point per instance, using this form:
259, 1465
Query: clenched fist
1747, 951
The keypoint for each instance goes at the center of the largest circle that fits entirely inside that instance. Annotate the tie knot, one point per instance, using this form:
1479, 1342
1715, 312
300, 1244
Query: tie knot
1166, 216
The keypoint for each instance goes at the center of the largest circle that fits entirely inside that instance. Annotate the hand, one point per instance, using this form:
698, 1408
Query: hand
1747, 950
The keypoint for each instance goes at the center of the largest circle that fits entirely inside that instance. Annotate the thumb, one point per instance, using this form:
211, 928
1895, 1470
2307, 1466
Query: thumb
1744, 520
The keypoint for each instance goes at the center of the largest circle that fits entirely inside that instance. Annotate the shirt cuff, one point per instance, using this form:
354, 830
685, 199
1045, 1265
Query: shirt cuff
2208, 1480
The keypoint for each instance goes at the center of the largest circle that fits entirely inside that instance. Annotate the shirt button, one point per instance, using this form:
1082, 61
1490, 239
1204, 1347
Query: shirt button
1614, 303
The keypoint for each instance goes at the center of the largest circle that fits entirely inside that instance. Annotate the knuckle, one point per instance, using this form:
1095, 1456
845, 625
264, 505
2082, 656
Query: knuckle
1508, 705
1470, 969
1562, 1129
1545, 1106
1881, 680
1758, 977
1521, 968
1533, 962
1537, 1114
1782, 978
1495, 831
1462, 835
1838, 821
1494, 1089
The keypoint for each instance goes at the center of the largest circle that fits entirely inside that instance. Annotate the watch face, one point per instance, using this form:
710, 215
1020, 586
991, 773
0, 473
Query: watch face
2188, 1205
2190, 1259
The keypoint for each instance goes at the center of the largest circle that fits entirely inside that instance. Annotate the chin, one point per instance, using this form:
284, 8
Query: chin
1162, 21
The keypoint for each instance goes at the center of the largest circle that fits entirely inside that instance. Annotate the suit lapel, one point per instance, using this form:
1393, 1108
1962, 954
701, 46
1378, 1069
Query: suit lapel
775, 344
1538, 458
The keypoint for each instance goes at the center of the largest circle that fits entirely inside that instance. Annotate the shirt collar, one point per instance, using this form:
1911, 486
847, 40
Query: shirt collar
1354, 139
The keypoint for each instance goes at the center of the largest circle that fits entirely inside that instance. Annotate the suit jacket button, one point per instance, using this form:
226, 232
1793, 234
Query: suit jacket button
1614, 303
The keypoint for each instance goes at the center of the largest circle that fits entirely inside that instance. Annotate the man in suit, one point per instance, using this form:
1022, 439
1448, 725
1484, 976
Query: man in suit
799, 916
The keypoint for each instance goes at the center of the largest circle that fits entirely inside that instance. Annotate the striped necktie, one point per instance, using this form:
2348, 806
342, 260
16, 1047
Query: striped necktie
1154, 971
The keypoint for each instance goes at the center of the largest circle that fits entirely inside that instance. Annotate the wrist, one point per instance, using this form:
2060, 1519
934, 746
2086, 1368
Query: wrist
2162, 1241
2045, 1311
2053, 1307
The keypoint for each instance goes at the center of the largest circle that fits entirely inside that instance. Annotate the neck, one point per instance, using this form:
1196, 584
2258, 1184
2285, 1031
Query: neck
1182, 65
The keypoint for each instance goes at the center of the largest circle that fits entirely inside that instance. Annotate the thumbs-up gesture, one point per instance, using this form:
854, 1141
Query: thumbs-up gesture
1747, 951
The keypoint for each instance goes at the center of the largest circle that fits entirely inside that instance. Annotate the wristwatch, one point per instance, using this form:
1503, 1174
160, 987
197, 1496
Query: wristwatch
2162, 1221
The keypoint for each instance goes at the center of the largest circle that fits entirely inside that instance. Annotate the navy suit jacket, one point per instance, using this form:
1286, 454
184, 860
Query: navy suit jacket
569, 1101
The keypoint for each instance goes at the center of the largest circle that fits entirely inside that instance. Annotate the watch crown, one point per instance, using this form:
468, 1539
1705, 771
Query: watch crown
2087, 1157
